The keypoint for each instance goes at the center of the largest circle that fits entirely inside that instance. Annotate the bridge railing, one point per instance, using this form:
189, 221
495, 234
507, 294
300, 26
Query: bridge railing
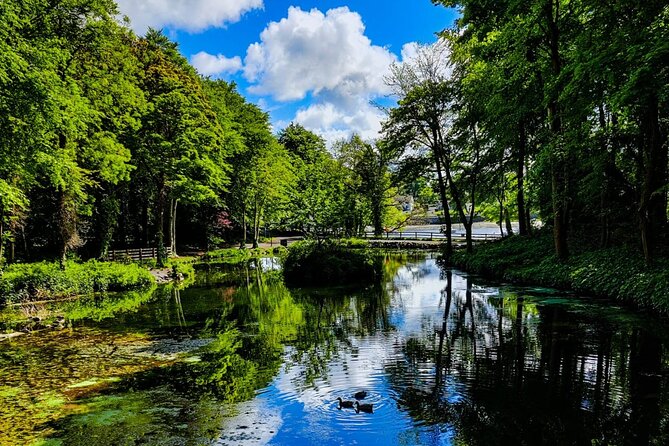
423, 235
137, 254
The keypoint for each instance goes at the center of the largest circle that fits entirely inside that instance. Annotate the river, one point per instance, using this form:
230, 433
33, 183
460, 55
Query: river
237, 358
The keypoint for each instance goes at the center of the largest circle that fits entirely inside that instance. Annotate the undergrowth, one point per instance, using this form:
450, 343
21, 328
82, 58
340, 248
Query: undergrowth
617, 272
46, 280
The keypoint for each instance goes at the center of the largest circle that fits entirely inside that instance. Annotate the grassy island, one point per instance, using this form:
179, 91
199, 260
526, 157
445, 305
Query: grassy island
331, 262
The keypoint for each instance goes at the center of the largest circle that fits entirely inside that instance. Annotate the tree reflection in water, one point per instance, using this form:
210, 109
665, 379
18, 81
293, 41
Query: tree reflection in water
509, 371
445, 359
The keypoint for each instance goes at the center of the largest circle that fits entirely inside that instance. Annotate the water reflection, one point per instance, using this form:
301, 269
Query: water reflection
238, 358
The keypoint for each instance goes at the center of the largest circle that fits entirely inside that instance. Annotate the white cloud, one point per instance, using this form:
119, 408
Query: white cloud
410, 51
210, 65
327, 57
334, 122
189, 15
312, 52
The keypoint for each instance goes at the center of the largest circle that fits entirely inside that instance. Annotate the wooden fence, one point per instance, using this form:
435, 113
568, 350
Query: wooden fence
417, 235
136, 254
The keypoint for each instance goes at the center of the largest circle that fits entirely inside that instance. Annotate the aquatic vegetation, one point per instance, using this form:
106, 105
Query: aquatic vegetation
97, 308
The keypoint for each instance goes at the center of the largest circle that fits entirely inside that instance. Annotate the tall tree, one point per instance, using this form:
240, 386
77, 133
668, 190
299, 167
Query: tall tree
421, 118
181, 146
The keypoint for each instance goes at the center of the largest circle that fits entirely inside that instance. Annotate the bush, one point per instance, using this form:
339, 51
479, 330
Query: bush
619, 273
46, 280
330, 262
235, 255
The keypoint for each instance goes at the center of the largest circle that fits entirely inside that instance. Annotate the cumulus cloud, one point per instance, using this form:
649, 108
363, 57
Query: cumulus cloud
335, 122
210, 65
325, 56
312, 52
189, 15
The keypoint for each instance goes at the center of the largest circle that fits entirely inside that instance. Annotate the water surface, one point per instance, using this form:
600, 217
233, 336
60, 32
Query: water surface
237, 358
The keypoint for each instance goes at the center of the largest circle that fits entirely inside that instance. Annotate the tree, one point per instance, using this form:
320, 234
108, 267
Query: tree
319, 198
369, 166
181, 147
262, 176
419, 121
599, 72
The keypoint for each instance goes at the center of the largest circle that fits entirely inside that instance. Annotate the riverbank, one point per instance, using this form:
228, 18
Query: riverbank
47, 280
618, 273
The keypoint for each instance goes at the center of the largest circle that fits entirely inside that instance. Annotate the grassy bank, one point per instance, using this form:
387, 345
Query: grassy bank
235, 255
46, 280
619, 273
331, 263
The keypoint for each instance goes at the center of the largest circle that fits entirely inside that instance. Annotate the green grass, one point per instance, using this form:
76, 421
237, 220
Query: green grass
46, 280
618, 272
235, 255
330, 263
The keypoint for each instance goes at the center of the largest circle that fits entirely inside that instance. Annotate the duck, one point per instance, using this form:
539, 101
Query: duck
360, 395
345, 404
368, 408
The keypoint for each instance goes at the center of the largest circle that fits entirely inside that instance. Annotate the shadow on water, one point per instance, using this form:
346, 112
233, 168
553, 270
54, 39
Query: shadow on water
237, 358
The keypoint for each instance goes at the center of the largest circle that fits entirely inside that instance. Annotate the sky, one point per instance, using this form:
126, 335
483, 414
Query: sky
320, 63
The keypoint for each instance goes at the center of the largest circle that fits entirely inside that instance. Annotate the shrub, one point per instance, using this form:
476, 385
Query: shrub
330, 262
45, 280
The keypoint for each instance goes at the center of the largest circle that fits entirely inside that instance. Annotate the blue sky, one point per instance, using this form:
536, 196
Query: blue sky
319, 63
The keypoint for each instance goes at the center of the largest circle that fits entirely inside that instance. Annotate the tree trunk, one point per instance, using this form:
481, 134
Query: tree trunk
242, 243
160, 226
558, 165
501, 218
528, 218
174, 227
377, 217
457, 198
653, 203
520, 177
145, 225
170, 221
468, 235
66, 215
437, 153
444, 204
256, 226
507, 219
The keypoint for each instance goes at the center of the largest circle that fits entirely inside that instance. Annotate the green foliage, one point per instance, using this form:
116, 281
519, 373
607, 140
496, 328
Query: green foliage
572, 96
47, 280
330, 262
619, 272
234, 255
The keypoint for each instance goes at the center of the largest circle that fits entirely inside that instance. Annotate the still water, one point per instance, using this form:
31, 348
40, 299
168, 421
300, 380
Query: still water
236, 358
